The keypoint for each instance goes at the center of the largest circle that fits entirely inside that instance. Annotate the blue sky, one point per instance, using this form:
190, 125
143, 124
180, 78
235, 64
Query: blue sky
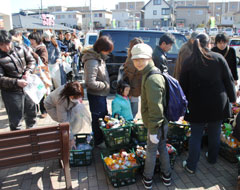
16, 5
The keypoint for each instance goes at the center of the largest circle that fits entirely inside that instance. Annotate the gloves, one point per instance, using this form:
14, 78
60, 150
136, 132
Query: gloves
154, 139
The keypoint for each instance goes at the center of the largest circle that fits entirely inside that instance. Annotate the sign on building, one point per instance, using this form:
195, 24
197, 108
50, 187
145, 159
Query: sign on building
48, 20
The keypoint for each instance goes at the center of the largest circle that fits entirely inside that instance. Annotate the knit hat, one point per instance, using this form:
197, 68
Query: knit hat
47, 34
141, 51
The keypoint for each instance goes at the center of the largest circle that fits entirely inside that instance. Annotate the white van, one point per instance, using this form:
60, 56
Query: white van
90, 39
213, 31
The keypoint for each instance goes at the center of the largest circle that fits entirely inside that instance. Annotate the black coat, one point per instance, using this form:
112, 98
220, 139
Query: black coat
160, 59
209, 89
230, 58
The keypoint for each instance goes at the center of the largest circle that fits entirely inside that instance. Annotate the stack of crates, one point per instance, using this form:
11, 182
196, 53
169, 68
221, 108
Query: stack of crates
82, 156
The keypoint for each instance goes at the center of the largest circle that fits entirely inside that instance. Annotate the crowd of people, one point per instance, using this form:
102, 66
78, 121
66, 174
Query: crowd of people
207, 76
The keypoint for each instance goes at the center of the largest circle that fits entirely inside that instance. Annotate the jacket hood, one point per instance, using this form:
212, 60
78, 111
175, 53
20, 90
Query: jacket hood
90, 54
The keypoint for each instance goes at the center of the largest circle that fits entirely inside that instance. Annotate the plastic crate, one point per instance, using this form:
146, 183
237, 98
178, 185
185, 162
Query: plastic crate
172, 158
117, 137
177, 136
119, 178
81, 157
229, 153
139, 132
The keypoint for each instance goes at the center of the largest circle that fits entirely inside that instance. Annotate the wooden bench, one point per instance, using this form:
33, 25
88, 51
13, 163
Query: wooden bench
36, 145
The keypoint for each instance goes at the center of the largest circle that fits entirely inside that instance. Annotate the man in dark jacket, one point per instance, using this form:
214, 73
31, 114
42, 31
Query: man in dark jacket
15, 65
70, 45
159, 54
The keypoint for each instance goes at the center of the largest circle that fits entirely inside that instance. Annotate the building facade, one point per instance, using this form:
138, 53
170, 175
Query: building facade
192, 16
100, 18
157, 13
72, 19
222, 9
5, 16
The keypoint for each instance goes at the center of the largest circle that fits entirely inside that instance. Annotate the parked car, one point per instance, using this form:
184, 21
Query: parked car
200, 30
90, 39
121, 39
213, 31
235, 43
229, 31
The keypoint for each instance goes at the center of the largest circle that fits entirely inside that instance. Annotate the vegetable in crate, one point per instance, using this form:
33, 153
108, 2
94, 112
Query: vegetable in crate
121, 160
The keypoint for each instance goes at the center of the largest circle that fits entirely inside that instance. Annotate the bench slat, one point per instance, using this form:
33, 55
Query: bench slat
29, 158
28, 149
28, 139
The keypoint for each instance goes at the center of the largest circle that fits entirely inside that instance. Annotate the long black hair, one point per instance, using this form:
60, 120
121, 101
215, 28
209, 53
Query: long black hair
200, 53
121, 86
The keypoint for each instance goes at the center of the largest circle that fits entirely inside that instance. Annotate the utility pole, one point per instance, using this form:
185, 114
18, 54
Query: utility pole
91, 19
41, 8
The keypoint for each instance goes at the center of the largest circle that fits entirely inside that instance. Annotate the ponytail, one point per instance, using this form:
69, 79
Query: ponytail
200, 52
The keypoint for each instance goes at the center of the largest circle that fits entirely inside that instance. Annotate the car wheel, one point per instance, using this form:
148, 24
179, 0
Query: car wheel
113, 84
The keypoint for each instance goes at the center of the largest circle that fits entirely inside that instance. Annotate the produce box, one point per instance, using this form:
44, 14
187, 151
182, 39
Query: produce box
178, 135
139, 132
141, 155
82, 155
120, 167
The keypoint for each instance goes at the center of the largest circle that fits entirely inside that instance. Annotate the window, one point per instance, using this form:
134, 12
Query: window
159, 22
63, 16
95, 15
154, 12
100, 14
199, 12
233, 6
83, 16
165, 11
131, 7
154, 22
157, 2
69, 16
58, 16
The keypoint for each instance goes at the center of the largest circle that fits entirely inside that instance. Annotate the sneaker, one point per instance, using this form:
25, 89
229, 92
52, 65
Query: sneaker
166, 179
102, 145
186, 168
147, 182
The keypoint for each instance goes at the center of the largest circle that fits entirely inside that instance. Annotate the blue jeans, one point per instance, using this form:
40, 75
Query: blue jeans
98, 108
19, 105
214, 130
152, 148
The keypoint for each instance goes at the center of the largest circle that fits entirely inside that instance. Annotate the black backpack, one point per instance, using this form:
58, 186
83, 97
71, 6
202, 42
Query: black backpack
176, 99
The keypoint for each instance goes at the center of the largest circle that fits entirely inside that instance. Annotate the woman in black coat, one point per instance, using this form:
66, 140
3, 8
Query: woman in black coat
221, 46
209, 87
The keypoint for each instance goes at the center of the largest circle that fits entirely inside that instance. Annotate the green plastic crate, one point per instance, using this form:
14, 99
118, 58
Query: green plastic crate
81, 157
229, 153
119, 178
139, 132
117, 137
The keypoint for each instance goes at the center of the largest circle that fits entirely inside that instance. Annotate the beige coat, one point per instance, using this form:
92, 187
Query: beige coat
95, 73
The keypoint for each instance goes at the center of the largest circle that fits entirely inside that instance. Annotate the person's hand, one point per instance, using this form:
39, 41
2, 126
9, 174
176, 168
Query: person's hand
25, 75
154, 139
58, 61
236, 82
72, 144
22, 83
